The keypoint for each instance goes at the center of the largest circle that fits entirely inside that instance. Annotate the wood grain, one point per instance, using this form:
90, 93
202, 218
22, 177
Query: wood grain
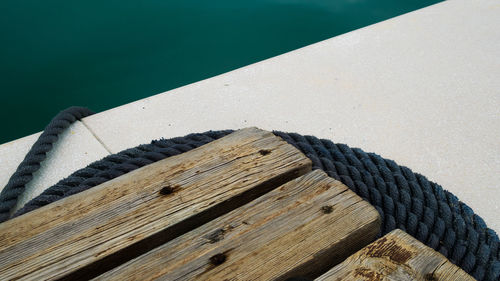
301, 228
88, 233
396, 256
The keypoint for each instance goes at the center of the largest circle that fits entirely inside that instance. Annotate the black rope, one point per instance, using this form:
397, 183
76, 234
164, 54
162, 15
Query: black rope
31, 163
404, 199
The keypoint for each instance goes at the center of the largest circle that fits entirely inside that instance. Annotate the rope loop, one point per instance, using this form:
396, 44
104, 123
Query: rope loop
403, 199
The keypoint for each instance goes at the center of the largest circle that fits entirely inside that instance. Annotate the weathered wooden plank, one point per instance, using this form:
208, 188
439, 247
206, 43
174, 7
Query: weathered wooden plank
303, 227
396, 256
88, 233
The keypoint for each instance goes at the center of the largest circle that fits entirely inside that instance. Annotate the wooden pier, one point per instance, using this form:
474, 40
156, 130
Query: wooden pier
244, 207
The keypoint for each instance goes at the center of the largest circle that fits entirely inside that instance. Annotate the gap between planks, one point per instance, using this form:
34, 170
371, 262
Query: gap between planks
304, 227
396, 256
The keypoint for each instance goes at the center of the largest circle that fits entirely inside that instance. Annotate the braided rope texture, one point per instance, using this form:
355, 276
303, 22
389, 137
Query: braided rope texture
31, 163
404, 199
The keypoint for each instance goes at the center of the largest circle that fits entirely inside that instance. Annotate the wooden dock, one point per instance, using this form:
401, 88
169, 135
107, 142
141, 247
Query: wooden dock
244, 207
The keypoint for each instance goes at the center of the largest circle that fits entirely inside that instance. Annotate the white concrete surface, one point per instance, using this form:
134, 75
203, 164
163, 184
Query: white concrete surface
75, 149
422, 89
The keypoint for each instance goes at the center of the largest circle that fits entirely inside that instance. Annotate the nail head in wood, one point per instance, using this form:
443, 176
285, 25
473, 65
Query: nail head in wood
327, 209
166, 190
264, 152
218, 259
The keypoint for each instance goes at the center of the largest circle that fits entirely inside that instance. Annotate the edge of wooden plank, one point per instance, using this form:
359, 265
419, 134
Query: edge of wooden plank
396, 256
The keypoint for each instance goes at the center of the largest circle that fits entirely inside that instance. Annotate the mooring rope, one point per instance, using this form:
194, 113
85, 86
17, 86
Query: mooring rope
404, 199
38, 152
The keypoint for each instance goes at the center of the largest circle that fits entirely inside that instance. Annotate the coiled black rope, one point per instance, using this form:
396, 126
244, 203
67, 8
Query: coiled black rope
404, 199
31, 163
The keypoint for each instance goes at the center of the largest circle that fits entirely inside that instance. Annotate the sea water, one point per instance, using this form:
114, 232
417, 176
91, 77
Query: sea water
104, 53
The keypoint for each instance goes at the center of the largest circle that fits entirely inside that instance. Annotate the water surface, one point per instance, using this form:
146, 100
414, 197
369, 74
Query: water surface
101, 54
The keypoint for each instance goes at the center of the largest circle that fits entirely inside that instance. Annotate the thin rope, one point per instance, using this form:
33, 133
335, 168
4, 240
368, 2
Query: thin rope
38, 152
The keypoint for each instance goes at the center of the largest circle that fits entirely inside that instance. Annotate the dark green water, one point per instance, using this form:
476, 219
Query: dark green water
101, 54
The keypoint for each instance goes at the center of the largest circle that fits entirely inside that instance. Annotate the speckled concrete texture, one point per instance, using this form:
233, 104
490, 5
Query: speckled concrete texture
422, 89
75, 149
